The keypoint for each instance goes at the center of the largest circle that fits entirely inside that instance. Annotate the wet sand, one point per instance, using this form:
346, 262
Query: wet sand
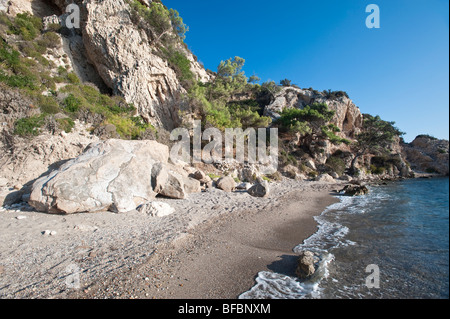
220, 258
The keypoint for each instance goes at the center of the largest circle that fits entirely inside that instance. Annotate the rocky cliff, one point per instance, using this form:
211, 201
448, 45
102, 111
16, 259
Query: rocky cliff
427, 154
111, 49
348, 117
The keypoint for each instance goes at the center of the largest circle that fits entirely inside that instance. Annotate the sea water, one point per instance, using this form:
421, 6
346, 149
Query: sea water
397, 237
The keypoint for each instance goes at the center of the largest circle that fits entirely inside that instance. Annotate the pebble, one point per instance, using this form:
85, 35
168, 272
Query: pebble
21, 217
49, 233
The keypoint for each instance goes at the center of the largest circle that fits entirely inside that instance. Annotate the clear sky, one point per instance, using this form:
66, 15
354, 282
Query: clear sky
400, 71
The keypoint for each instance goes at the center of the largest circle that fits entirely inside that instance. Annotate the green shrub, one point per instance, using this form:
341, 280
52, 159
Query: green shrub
66, 124
157, 17
50, 40
48, 104
213, 176
8, 56
127, 127
330, 133
26, 25
29, 126
18, 81
377, 170
336, 164
180, 64
73, 78
72, 104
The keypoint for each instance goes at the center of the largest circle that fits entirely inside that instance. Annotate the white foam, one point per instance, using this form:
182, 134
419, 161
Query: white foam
270, 285
330, 235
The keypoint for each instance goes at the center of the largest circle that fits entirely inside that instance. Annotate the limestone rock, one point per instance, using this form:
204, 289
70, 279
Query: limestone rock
156, 209
3, 182
306, 265
346, 178
226, 184
244, 186
113, 175
201, 177
125, 59
168, 183
325, 178
427, 154
355, 190
348, 116
192, 186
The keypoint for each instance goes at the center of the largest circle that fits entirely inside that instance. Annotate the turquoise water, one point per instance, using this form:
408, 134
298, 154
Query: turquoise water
402, 228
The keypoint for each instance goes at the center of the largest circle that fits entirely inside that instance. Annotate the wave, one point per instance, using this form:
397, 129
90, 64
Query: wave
330, 234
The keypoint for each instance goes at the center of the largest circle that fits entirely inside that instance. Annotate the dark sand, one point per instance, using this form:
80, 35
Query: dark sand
220, 258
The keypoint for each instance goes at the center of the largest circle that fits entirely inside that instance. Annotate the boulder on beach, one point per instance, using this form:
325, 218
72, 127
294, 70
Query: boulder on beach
306, 266
226, 184
167, 183
112, 175
261, 189
325, 178
156, 209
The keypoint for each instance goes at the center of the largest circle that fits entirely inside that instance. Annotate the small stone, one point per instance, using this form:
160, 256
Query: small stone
156, 209
49, 233
21, 217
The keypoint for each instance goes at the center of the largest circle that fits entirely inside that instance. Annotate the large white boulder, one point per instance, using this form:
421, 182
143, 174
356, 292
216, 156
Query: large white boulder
112, 175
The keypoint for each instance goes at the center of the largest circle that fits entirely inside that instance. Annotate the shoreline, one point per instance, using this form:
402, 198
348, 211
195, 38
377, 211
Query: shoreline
228, 237
221, 258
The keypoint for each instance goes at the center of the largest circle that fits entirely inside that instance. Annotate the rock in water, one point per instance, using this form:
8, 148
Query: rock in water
112, 175
226, 184
355, 190
156, 209
306, 265
260, 189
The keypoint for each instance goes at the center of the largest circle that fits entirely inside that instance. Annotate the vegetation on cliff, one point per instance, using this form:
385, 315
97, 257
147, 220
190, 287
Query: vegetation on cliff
25, 65
229, 100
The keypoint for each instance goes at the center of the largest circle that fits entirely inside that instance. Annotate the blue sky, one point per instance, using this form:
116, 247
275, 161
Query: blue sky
400, 71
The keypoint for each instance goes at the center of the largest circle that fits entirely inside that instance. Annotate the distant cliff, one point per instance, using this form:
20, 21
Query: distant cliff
427, 154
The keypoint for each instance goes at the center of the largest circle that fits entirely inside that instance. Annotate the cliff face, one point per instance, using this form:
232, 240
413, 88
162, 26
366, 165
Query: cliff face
112, 45
429, 155
348, 116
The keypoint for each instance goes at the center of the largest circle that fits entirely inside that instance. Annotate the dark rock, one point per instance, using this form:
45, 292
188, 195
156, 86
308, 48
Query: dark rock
260, 190
355, 190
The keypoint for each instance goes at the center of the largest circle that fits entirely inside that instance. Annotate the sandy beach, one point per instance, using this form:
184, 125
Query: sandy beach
212, 247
